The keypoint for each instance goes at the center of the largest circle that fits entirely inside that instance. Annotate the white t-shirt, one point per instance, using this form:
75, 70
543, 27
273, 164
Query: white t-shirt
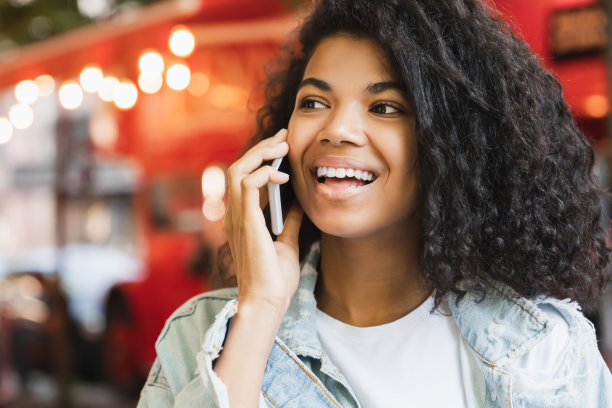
411, 362
415, 362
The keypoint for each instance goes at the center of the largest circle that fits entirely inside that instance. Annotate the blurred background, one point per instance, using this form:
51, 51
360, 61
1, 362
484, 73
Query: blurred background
118, 119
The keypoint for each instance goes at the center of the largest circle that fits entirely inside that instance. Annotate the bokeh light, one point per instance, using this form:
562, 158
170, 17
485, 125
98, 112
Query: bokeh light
213, 183
95, 8
91, 78
98, 223
26, 92
213, 209
199, 84
178, 77
597, 106
182, 41
107, 88
6, 130
151, 62
223, 96
103, 129
21, 116
45, 84
126, 95
70, 95
150, 83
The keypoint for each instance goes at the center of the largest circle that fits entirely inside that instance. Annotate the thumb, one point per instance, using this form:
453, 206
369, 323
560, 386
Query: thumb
291, 230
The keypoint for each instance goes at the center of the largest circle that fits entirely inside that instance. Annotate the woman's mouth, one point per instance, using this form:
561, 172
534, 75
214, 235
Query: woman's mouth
344, 176
338, 183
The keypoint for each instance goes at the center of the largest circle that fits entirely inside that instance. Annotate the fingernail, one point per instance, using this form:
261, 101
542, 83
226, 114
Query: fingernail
284, 144
284, 174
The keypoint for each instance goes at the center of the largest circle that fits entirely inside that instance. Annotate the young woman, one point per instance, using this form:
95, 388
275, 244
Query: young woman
453, 222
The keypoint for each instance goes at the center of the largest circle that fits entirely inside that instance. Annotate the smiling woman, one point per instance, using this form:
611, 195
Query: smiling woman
447, 202
350, 113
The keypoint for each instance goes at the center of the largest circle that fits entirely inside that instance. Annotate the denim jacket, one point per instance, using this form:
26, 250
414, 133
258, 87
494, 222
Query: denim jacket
298, 374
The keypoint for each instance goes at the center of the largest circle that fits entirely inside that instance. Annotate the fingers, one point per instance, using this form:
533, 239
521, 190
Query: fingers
251, 184
291, 230
245, 167
267, 149
256, 156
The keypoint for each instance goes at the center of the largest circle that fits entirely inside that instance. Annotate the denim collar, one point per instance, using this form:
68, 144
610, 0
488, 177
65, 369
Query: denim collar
299, 328
499, 328
502, 326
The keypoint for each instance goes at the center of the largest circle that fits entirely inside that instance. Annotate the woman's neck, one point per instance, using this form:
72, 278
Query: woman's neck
371, 281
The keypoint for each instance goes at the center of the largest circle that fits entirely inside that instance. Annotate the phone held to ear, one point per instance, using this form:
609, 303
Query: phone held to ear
276, 210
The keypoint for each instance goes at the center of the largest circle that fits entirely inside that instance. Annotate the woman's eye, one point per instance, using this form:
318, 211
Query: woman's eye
384, 109
311, 104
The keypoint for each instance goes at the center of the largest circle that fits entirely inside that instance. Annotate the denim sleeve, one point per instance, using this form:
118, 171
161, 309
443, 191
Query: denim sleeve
183, 375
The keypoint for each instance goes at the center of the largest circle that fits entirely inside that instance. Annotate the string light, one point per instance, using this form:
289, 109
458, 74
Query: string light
126, 95
107, 88
181, 42
26, 92
213, 209
91, 78
151, 63
45, 84
70, 95
21, 116
150, 83
213, 182
6, 130
178, 77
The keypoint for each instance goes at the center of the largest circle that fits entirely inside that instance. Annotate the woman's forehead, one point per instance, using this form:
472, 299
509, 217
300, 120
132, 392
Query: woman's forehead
346, 55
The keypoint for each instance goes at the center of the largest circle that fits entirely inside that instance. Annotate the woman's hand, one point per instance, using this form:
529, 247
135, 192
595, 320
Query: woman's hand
267, 271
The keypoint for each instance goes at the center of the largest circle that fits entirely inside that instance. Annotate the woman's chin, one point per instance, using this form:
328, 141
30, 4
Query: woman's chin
342, 227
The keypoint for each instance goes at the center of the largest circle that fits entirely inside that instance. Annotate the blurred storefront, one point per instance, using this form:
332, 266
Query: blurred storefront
112, 179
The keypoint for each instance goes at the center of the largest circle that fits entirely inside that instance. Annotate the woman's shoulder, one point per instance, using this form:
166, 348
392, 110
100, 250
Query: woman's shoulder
546, 345
192, 319
184, 337
504, 326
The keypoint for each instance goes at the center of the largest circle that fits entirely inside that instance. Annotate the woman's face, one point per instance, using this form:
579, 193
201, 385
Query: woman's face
351, 140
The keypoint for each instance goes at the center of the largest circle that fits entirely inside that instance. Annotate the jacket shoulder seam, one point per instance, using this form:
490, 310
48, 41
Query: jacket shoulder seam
189, 308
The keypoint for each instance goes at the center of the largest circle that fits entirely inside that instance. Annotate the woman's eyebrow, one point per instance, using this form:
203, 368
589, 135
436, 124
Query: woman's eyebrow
374, 88
379, 87
318, 83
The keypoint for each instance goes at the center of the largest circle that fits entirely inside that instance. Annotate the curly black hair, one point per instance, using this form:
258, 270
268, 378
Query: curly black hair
506, 176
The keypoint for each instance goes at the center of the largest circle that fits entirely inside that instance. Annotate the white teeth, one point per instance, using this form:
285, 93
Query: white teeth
342, 173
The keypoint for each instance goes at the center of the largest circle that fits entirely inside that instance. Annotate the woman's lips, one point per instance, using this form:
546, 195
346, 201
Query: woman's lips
339, 162
340, 189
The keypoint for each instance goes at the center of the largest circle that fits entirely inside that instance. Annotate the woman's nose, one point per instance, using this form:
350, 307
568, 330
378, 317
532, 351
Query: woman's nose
344, 125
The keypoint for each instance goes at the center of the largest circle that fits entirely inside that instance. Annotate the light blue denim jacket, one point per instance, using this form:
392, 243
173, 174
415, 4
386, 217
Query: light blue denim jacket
298, 374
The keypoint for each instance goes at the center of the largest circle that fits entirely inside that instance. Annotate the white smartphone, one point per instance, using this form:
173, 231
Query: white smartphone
276, 210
